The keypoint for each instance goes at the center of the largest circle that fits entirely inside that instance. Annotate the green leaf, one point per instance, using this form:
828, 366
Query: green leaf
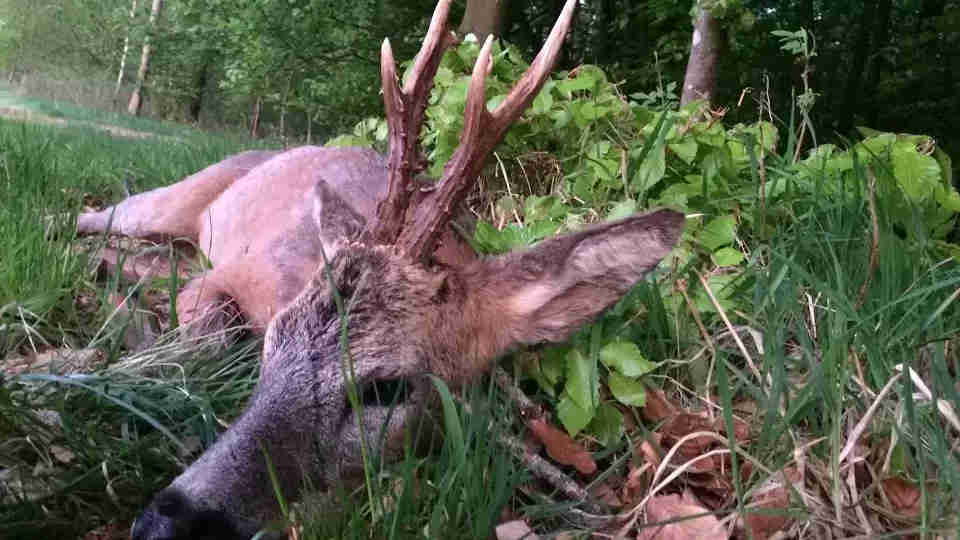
651, 171
607, 424
625, 357
685, 149
536, 207
573, 417
622, 209
718, 232
727, 257
453, 429
627, 391
489, 239
552, 362
581, 384
544, 100
917, 174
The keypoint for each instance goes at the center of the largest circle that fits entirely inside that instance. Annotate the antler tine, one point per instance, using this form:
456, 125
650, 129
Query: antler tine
482, 131
405, 110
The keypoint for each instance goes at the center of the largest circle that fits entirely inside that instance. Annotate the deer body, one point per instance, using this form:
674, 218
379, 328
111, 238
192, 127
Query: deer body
252, 215
263, 218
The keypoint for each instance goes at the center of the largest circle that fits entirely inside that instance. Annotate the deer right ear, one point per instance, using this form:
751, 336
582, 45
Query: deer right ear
546, 293
333, 216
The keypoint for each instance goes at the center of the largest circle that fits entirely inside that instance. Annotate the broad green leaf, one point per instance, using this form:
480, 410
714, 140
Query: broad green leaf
727, 256
607, 424
536, 207
651, 171
723, 289
495, 102
948, 197
718, 232
560, 118
544, 100
552, 363
627, 391
917, 174
581, 383
685, 149
622, 209
573, 417
625, 357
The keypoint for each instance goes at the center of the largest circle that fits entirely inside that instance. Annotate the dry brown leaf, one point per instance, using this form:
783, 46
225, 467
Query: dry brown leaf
110, 531
657, 407
606, 493
680, 426
636, 485
515, 530
773, 498
741, 430
903, 495
671, 507
561, 448
649, 452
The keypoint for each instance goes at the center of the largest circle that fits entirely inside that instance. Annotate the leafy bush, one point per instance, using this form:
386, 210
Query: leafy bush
736, 184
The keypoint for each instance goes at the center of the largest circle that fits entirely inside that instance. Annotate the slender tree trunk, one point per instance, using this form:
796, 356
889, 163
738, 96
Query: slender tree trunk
199, 89
881, 37
255, 119
136, 99
700, 80
854, 90
482, 18
123, 53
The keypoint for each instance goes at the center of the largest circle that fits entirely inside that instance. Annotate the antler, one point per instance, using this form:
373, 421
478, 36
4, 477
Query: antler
415, 231
405, 109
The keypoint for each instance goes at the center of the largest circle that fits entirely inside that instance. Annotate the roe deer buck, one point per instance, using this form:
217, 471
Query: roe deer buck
405, 318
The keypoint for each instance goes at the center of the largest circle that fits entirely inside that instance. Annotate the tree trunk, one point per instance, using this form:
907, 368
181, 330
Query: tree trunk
255, 119
199, 89
482, 18
881, 37
700, 80
854, 90
123, 53
136, 99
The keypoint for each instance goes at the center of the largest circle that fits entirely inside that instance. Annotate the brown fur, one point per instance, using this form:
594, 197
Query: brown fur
253, 216
377, 317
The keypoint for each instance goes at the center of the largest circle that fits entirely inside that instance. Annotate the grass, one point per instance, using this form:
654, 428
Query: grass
834, 331
100, 473
92, 117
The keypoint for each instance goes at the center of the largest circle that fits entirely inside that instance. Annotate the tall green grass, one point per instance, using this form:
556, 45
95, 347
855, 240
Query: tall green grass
45, 172
81, 450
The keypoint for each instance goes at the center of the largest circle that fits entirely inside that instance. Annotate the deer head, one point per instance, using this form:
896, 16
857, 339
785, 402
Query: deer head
399, 318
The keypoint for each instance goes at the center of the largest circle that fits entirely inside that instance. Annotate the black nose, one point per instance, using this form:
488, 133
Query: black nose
171, 516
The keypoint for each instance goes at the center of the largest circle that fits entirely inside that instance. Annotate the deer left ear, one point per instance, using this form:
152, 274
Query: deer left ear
333, 216
546, 293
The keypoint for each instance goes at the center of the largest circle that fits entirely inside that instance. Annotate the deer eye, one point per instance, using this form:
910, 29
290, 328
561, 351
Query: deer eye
384, 392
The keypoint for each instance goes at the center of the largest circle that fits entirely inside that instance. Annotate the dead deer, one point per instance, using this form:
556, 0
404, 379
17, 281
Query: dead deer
266, 232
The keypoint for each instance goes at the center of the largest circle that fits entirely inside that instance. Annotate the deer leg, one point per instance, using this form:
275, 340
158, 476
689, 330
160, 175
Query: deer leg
173, 211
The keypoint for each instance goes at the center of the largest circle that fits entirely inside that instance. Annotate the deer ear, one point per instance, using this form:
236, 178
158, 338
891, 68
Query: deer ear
336, 219
546, 293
